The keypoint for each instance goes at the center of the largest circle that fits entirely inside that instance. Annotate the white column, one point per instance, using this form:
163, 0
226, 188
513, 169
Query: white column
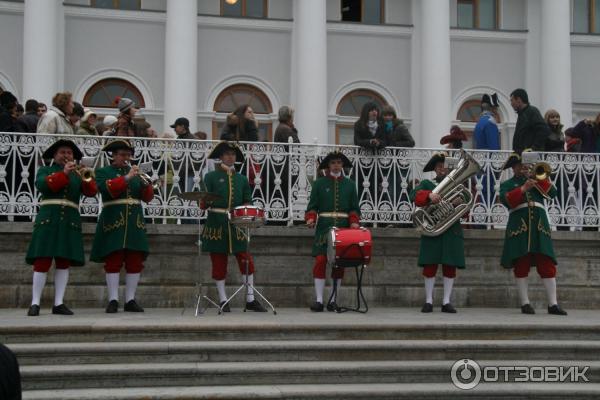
556, 59
436, 98
41, 50
181, 62
310, 39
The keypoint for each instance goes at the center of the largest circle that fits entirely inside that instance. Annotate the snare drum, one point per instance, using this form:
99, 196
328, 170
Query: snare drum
349, 247
248, 216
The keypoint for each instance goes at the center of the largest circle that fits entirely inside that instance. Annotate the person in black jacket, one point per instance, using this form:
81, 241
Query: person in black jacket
531, 130
8, 104
396, 133
368, 130
241, 126
10, 377
28, 122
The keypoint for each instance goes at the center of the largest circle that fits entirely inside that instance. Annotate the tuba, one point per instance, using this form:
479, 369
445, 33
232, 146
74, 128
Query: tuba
457, 200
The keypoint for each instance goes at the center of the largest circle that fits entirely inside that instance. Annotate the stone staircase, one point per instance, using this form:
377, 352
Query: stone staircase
385, 354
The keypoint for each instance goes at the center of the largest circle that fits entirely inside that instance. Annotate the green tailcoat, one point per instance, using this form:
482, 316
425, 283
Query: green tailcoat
528, 229
57, 228
331, 195
447, 248
119, 226
219, 235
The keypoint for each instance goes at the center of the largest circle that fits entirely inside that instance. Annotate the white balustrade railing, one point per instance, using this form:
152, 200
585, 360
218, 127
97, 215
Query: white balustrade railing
281, 176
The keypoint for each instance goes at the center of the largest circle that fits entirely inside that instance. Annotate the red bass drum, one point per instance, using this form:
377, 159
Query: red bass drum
348, 247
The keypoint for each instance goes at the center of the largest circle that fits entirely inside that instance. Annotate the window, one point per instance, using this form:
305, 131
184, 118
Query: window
118, 4
586, 16
244, 8
477, 14
365, 11
350, 106
104, 93
237, 95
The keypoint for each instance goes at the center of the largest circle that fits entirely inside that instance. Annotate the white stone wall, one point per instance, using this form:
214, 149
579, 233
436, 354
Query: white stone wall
131, 45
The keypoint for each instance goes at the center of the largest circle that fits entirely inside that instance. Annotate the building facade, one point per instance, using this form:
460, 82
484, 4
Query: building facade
430, 59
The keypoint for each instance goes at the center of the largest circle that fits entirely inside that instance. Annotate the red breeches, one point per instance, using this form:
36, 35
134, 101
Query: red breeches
320, 267
133, 260
430, 270
43, 264
544, 264
219, 264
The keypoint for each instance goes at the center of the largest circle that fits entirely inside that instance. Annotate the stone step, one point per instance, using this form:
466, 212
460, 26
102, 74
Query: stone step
77, 376
169, 325
39, 354
429, 391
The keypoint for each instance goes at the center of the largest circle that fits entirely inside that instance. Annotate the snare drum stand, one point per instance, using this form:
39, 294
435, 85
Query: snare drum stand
359, 294
246, 285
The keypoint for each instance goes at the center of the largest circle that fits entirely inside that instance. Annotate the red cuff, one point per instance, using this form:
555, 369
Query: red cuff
57, 181
353, 218
89, 189
515, 197
545, 185
310, 215
116, 186
147, 193
422, 198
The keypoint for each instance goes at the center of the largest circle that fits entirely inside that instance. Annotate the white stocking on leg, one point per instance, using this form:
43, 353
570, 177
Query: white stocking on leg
429, 284
522, 286
448, 283
221, 290
319, 288
39, 281
112, 283
61, 277
550, 284
131, 284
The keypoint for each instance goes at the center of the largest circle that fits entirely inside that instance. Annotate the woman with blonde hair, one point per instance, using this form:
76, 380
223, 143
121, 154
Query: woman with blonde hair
556, 140
56, 119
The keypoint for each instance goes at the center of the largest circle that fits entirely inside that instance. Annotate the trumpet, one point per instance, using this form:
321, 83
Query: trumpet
147, 179
85, 173
540, 171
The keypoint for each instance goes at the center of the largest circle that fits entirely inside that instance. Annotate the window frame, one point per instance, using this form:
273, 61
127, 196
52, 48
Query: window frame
257, 92
476, 20
244, 10
362, 13
116, 5
98, 86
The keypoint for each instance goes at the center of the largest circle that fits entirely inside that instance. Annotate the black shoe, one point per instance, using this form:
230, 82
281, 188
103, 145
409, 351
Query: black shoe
61, 310
427, 308
332, 306
226, 308
254, 305
527, 309
34, 310
317, 307
112, 307
448, 308
556, 310
132, 306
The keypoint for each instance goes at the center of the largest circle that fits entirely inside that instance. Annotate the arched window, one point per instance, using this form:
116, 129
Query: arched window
477, 14
468, 114
236, 95
348, 111
104, 93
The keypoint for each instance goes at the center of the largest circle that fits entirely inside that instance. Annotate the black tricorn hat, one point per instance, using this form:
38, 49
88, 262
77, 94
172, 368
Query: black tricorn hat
435, 158
219, 149
118, 144
511, 161
491, 100
335, 155
50, 151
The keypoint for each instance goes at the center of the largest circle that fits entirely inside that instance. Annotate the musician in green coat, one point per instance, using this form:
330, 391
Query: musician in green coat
447, 248
333, 203
120, 238
220, 237
527, 239
57, 228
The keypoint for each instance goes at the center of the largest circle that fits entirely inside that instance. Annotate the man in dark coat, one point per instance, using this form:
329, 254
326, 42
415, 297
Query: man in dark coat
8, 103
28, 122
531, 130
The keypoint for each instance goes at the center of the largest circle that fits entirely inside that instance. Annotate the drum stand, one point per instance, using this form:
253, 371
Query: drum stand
359, 294
246, 285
